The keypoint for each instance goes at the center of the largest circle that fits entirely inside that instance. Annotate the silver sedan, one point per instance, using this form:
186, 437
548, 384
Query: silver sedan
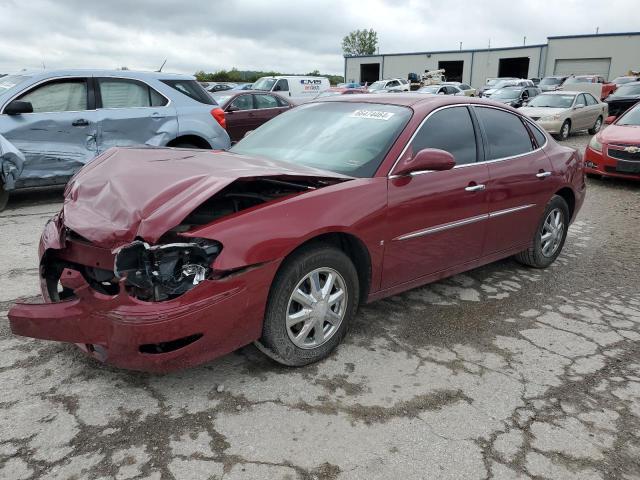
562, 112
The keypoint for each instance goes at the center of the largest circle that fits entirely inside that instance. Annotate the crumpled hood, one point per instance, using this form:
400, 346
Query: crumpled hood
127, 193
541, 111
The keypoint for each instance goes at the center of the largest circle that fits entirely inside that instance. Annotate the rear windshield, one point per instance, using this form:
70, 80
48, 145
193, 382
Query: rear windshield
191, 89
344, 137
10, 81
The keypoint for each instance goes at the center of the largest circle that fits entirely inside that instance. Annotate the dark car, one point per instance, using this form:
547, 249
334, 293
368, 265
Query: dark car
220, 87
515, 96
625, 79
625, 97
246, 110
166, 258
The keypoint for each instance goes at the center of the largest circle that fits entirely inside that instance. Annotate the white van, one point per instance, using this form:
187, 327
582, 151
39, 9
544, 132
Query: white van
296, 88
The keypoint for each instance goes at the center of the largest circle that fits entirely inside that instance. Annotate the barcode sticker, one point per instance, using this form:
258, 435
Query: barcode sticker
373, 114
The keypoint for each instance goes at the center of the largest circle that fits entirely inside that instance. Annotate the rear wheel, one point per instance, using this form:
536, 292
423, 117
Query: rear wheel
312, 300
4, 197
565, 130
549, 237
596, 126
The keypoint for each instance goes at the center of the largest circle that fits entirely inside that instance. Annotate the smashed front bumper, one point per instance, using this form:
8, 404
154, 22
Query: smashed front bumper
213, 319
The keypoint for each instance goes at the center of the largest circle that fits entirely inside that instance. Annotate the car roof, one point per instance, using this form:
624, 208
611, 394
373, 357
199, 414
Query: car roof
562, 92
409, 99
111, 73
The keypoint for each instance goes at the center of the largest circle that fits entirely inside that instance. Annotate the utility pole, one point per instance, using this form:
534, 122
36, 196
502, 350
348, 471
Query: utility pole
524, 42
597, 30
460, 45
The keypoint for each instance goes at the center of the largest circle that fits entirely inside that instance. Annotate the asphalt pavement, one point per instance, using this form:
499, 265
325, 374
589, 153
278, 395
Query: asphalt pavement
504, 372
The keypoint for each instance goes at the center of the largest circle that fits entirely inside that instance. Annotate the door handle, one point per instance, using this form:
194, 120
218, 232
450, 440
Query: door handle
543, 174
157, 115
81, 122
474, 188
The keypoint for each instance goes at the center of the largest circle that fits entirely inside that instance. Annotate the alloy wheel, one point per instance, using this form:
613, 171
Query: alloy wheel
598, 124
564, 134
316, 308
552, 232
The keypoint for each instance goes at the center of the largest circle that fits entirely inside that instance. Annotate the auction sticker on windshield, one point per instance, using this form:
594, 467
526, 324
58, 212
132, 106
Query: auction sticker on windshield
373, 114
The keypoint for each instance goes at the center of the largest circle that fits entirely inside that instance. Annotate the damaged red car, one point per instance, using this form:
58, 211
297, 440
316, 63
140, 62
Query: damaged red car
167, 258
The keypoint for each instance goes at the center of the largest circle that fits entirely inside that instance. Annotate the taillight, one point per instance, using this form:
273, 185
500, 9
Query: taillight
218, 114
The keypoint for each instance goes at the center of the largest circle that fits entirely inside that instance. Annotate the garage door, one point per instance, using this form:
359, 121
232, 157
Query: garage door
583, 66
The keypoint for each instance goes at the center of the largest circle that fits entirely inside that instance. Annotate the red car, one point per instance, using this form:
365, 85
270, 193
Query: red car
246, 110
166, 258
615, 151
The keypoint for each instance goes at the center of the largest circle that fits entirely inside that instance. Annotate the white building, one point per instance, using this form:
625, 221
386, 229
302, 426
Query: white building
607, 54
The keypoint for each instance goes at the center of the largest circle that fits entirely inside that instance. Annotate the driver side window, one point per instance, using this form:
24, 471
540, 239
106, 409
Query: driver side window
449, 129
58, 96
281, 86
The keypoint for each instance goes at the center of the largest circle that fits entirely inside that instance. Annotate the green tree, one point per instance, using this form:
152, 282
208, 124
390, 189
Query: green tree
360, 42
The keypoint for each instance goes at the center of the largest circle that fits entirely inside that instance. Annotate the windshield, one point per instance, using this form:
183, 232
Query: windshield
507, 93
344, 137
622, 91
264, 83
623, 80
552, 101
377, 85
221, 98
429, 89
10, 81
550, 81
572, 80
504, 83
631, 117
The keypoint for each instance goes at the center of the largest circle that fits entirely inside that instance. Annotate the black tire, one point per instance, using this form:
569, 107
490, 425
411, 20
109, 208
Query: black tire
4, 197
596, 126
565, 131
275, 340
534, 255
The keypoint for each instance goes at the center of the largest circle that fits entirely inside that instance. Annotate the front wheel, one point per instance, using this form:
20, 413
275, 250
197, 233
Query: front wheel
565, 130
549, 237
596, 126
312, 300
4, 197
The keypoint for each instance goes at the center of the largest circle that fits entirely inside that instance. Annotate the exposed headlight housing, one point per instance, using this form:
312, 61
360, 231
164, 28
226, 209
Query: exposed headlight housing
594, 144
162, 272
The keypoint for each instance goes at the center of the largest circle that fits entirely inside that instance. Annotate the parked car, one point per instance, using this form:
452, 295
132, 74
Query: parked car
575, 82
60, 120
441, 90
615, 152
246, 110
515, 96
625, 79
535, 80
468, 90
220, 87
393, 85
552, 83
333, 204
521, 82
333, 91
562, 112
296, 88
622, 99
243, 86
491, 82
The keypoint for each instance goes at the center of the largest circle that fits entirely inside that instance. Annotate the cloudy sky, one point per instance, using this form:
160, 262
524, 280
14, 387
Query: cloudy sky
294, 36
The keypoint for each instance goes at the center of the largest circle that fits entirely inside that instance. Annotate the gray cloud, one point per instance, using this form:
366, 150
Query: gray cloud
285, 36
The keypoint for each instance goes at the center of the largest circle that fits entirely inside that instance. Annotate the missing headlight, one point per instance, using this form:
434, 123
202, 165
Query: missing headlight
162, 272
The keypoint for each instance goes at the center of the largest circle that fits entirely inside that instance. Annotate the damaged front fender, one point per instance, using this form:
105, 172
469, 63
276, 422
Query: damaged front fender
11, 164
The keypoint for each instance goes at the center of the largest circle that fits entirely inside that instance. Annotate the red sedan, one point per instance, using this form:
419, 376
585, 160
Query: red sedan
615, 151
246, 110
166, 258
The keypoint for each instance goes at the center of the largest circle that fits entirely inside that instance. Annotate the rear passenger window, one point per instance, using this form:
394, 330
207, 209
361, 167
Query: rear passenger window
590, 99
506, 134
450, 129
191, 89
121, 93
283, 103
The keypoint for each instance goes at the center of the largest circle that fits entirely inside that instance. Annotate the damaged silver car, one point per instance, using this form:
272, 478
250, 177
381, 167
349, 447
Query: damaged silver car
54, 122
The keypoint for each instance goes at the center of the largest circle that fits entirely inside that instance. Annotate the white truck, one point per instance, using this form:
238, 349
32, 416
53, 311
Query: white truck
295, 88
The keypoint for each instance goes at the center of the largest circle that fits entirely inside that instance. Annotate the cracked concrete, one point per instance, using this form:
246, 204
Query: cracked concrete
500, 373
